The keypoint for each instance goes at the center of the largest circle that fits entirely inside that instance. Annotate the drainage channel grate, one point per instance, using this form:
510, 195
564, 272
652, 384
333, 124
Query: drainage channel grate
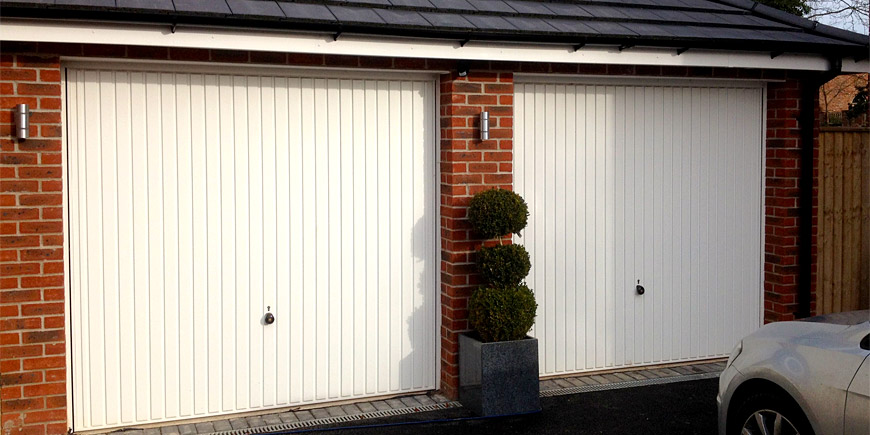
439, 406
627, 384
340, 419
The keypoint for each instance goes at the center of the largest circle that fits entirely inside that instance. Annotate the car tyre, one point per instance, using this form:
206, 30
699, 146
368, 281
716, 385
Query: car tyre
769, 410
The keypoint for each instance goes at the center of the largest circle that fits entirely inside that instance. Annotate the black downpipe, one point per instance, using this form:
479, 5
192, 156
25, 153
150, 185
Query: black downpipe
807, 122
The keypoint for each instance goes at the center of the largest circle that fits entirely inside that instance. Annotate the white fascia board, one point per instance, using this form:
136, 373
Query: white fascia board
159, 35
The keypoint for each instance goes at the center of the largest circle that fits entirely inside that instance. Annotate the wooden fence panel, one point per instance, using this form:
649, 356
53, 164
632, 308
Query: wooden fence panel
843, 273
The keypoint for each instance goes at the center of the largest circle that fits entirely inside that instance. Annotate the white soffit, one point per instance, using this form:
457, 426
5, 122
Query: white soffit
277, 41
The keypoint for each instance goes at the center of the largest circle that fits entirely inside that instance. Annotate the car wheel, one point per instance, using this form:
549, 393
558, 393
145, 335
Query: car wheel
769, 414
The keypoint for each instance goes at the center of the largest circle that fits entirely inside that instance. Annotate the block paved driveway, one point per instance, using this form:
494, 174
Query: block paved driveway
676, 408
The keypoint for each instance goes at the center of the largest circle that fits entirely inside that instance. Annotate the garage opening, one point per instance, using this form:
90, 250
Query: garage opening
640, 186
202, 202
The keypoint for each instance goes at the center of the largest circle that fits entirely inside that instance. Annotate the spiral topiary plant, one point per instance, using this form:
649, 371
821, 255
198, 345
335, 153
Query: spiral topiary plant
497, 212
503, 310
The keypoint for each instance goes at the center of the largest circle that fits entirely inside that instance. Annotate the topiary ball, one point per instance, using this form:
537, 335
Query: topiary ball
502, 314
497, 212
504, 265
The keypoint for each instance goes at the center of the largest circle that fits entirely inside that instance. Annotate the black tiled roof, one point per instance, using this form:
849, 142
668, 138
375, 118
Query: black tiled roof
719, 24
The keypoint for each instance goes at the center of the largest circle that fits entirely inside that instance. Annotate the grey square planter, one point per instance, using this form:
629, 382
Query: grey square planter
499, 378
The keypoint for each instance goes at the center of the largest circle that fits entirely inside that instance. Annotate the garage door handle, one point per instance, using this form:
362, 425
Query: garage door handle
639, 289
269, 319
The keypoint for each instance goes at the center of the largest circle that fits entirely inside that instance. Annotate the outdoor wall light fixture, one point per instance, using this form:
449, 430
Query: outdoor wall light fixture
22, 120
462, 68
484, 125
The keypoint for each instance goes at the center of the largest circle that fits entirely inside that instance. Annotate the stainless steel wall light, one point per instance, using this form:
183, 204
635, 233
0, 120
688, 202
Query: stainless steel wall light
484, 125
22, 120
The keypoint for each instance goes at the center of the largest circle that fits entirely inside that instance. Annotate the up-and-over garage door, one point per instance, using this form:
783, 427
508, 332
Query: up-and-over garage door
653, 184
200, 201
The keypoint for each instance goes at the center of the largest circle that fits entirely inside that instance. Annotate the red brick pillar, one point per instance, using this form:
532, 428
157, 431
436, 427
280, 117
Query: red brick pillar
32, 348
782, 201
468, 165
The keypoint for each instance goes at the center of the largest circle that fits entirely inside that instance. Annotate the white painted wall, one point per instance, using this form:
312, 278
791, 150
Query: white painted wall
653, 182
197, 200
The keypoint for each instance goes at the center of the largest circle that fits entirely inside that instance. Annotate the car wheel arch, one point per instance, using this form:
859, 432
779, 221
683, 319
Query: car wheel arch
760, 385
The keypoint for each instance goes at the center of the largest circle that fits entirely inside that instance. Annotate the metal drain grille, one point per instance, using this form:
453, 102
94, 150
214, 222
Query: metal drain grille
341, 419
439, 406
627, 384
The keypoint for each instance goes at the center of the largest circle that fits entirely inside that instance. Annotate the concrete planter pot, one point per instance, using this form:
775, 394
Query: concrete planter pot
499, 378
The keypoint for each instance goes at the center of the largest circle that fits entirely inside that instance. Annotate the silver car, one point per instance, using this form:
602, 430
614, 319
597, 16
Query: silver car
807, 377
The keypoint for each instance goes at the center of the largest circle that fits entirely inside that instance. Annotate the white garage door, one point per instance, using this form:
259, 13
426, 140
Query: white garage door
658, 184
200, 201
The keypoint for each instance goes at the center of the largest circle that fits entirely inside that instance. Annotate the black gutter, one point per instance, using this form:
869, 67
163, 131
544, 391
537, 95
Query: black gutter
807, 123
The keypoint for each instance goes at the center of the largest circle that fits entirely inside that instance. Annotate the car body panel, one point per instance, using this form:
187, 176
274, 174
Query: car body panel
814, 362
858, 402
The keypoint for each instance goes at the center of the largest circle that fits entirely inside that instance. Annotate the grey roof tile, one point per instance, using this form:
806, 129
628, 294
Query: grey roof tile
453, 5
447, 20
370, 2
571, 26
647, 29
603, 11
527, 7
307, 12
609, 28
355, 15
256, 8
147, 5
412, 3
492, 6
217, 7
489, 22
402, 17
87, 3
567, 10
530, 24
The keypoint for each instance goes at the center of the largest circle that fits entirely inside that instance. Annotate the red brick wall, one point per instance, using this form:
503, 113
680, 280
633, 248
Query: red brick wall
781, 199
32, 348
32, 345
468, 165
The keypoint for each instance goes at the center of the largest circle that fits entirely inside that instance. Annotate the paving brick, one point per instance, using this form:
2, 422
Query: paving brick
395, 404
424, 400
351, 409
562, 383
320, 413
304, 415
381, 405
683, 370
205, 427
575, 382
623, 377
335, 411
611, 378
636, 375
288, 417
549, 384
272, 419
600, 379
366, 407
239, 423
152, 431
439, 398
410, 402
187, 429
170, 430
255, 421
